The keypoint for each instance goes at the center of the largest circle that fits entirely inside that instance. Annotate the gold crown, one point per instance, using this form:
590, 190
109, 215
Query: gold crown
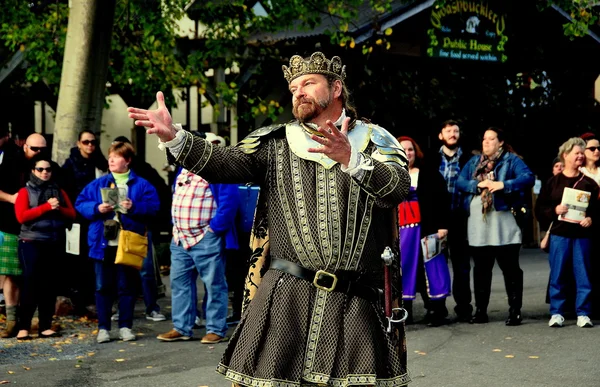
316, 64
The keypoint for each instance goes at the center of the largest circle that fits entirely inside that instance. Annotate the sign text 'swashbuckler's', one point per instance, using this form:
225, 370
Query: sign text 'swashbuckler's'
468, 30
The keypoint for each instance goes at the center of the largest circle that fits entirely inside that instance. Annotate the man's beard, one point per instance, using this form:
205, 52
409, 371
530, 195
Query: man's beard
450, 146
310, 108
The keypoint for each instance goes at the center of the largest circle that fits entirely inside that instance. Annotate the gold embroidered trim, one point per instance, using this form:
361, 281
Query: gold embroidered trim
281, 184
351, 219
350, 380
314, 331
362, 234
313, 255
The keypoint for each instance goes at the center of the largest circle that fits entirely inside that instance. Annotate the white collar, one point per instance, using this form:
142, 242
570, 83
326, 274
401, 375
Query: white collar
299, 141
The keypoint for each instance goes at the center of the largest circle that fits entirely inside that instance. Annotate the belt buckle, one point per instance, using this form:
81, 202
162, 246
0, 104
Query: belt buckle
322, 273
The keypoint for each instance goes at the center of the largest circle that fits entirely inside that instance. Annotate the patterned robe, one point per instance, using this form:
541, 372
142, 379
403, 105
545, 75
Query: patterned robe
313, 214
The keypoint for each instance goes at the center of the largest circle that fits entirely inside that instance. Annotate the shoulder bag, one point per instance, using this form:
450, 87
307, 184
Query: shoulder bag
132, 248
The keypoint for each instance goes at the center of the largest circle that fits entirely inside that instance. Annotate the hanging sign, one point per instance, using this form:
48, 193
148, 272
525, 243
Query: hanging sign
468, 30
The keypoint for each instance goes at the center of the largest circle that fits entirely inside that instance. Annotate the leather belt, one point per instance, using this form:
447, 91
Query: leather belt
330, 282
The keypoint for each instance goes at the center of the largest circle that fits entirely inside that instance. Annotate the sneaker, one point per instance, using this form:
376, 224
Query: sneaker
115, 317
125, 334
155, 316
103, 336
199, 323
584, 322
213, 338
172, 335
557, 321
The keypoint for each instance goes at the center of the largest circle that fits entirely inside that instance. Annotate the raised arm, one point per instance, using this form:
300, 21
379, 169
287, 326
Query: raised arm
214, 163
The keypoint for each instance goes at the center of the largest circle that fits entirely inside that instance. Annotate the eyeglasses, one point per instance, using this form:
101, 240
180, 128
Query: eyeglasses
593, 148
40, 169
89, 142
36, 148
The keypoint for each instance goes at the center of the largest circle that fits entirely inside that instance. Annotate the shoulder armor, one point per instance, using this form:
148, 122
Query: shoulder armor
387, 146
252, 141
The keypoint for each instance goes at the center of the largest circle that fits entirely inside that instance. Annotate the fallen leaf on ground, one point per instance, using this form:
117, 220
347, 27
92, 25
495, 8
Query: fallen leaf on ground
534, 357
148, 366
53, 359
508, 338
496, 350
509, 356
422, 353
119, 360
91, 353
140, 334
11, 372
80, 357
26, 368
4, 382
95, 332
77, 366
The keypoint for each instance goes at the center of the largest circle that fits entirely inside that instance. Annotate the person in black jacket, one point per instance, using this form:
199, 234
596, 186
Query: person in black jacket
450, 160
424, 213
10, 268
84, 165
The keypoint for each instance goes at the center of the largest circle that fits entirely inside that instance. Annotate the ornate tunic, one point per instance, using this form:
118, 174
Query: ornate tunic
318, 217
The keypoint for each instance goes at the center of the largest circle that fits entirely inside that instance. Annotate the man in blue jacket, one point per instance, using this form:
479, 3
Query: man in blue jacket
203, 225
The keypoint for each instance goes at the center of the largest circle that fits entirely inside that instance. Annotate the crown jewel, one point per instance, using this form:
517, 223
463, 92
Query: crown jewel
316, 64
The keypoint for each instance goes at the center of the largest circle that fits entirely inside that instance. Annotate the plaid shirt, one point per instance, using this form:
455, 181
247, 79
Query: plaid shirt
193, 208
450, 169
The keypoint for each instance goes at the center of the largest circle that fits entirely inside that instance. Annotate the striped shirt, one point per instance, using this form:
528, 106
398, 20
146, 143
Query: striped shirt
193, 208
450, 169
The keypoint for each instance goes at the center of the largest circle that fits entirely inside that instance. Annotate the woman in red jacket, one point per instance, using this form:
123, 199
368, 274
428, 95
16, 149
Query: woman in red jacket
44, 211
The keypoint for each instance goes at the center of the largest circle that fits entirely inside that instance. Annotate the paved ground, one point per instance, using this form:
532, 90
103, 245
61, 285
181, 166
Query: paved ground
457, 355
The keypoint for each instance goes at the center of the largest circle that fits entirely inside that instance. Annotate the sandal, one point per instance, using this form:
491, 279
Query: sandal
53, 334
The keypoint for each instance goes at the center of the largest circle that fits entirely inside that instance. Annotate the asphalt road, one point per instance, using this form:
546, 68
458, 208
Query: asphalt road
456, 355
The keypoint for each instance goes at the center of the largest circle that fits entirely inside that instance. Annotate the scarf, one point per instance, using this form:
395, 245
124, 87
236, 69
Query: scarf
48, 189
485, 171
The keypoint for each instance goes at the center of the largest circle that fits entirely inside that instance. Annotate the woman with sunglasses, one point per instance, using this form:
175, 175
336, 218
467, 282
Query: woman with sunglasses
84, 165
44, 211
592, 157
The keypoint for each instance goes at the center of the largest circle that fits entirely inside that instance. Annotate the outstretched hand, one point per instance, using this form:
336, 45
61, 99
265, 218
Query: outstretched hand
334, 143
157, 121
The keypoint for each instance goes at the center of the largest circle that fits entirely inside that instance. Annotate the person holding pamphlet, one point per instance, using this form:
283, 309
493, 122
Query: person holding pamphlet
137, 203
423, 219
569, 200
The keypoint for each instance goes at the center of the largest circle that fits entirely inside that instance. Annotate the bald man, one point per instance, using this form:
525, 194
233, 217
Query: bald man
34, 144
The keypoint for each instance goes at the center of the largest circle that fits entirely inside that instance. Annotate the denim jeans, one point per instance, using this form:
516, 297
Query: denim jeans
115, 280
148, 276
205, 259
574, 253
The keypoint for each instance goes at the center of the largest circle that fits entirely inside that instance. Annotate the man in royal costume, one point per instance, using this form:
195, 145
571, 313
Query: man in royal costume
330, 185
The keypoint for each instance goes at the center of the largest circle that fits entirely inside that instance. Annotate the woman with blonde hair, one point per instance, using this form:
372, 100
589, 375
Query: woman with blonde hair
570, 238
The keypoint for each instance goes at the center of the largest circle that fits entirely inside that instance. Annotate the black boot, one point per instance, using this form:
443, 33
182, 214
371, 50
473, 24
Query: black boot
407, 305
514, 317
437, 314
480, 317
